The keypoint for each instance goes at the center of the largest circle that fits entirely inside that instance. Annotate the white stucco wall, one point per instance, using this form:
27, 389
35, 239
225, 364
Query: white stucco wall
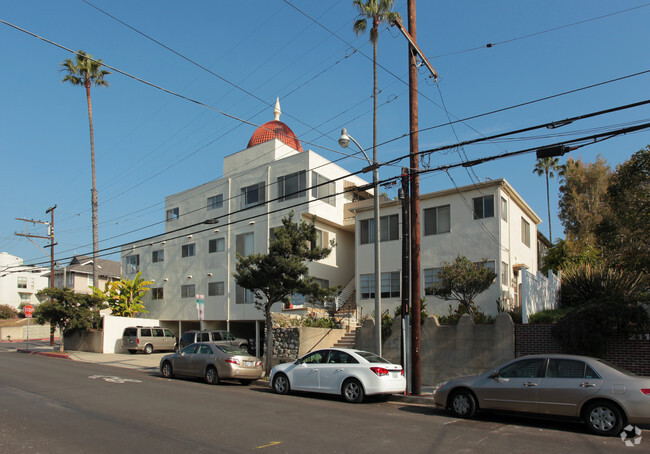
114, 327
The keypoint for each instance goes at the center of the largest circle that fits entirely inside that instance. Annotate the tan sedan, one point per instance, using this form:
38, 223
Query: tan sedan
212, 362
604, 396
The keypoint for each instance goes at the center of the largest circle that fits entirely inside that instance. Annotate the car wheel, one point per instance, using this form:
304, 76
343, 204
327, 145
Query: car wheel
463, 404
281, 384
167, 370
211, 376
133, 352
604, 418
148, 349
352, 391
245, 382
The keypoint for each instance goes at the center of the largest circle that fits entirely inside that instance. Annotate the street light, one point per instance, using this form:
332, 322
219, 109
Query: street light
344, 142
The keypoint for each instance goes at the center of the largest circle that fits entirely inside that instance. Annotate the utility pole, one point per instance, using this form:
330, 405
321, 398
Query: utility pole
406, 264
415, 206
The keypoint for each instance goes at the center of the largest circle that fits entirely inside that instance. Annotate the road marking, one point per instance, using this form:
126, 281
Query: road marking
114, 379
273, 443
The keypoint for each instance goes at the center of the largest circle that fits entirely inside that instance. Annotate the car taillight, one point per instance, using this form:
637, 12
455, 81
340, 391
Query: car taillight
402, 372
259, 363
646, 391
232, 361
137, 341
380, 371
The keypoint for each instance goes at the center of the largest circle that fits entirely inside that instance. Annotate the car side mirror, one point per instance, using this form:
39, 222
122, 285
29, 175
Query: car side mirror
494, 374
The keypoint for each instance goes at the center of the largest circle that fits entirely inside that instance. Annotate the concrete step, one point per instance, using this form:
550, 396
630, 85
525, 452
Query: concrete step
347, 341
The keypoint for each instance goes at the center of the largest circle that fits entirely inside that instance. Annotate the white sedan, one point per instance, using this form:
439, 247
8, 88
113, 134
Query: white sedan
351, 373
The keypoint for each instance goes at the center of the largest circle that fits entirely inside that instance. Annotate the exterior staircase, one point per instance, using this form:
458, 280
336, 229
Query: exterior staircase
347, 341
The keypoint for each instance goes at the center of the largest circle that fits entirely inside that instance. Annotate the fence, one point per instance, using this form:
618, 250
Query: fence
538, 293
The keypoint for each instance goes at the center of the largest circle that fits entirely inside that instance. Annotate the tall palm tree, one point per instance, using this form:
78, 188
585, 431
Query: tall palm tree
377, 11
87, 71
546, 166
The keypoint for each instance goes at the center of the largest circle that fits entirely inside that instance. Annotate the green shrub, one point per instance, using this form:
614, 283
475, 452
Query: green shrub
7, 311
585, 329
324, 322
548, 315
454, 315
584, 282
423, 311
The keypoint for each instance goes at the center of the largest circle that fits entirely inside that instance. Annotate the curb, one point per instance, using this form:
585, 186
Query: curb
50, 354
426, 399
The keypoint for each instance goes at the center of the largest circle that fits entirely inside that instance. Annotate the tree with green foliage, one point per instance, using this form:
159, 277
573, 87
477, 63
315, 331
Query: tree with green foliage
582, 202
86, 71
546, 166
462, 281
377, 12
558, 256
67, 310
283, 271
624, 235
7, 311
124, 297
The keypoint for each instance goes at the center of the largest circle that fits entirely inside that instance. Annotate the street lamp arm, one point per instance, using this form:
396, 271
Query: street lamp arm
344, 142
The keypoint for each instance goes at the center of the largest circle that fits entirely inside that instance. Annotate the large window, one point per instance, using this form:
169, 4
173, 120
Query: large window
431, 276
216, 289
321, 240
188, 291
188, 250
525, 232
252, 195
292, 186
389, 229
172, 214
217, 245
483, 207
323, 188
132, 264
437, 220
158, 256
22, 282
367, 286
390, 285
157, 293
215, 202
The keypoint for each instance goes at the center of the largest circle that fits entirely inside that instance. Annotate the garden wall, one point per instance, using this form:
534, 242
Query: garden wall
291, 343
630, 353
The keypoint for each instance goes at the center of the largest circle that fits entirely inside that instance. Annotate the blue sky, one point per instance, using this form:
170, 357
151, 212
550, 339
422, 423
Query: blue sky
150, 144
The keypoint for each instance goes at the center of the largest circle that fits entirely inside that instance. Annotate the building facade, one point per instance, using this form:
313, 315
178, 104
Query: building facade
19, 283
78, 274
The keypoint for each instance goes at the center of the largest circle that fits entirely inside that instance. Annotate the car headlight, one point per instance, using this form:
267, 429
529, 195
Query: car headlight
440, 385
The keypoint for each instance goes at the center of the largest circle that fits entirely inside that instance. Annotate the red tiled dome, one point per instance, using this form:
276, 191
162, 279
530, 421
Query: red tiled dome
275, 130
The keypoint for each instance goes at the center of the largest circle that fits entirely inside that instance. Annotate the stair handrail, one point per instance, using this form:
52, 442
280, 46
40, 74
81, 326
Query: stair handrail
345, 294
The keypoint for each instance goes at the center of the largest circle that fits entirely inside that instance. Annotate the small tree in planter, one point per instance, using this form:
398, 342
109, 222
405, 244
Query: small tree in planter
124, 297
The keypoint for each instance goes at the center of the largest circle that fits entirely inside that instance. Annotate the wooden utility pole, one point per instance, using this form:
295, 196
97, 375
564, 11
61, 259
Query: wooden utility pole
416, 388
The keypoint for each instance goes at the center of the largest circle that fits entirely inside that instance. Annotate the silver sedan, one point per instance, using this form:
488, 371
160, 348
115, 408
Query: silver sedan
604, 396
213, 362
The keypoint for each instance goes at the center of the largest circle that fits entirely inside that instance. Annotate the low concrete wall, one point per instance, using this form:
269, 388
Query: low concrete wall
17, 330
449, 350
84, 341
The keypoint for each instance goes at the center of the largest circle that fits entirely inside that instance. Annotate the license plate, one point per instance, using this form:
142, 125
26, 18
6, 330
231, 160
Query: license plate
248, 363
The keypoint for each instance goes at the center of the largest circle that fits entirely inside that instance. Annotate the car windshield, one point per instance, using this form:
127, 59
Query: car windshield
372, 358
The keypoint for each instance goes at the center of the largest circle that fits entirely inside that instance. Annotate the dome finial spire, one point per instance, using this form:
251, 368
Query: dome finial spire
277, 112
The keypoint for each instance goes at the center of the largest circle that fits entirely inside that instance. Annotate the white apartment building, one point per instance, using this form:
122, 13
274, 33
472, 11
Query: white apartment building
206, 226
19, 283
487, 221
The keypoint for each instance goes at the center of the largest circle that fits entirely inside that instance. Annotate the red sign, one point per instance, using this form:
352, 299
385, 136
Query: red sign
28, 310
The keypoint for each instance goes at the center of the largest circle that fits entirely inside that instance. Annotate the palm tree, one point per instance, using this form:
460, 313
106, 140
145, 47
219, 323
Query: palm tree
377, 11
87, 71
546, 166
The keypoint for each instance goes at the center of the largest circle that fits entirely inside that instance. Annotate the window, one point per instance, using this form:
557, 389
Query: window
483, 207
157, 293
243, 296
321, 240
323, 283
504, 209
91, 280
244, 245
525, 232
292, 186
158, 256
69, 280
22, 282
172, 214
145, 332
524, 368
389, 229
390, 285
569, 368
132, 264
158, 332
367, 286
188, 250
217, 245
25, 298
188, 291
431, 276
215, 202
323, 189
505, 274
216, 289
437, 220
252, 195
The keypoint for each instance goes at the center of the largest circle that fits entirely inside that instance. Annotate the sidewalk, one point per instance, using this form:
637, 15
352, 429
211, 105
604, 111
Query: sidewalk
150, 363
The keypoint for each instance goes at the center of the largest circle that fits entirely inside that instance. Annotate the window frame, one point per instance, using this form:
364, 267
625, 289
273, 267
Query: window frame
188, 250
216, 245
172, 214
158, 256
484, 207
435, 228
215, 201
301, 183
246, 191
525, 232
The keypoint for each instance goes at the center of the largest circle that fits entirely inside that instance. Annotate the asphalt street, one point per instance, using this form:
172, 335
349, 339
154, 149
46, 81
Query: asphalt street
59, 405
